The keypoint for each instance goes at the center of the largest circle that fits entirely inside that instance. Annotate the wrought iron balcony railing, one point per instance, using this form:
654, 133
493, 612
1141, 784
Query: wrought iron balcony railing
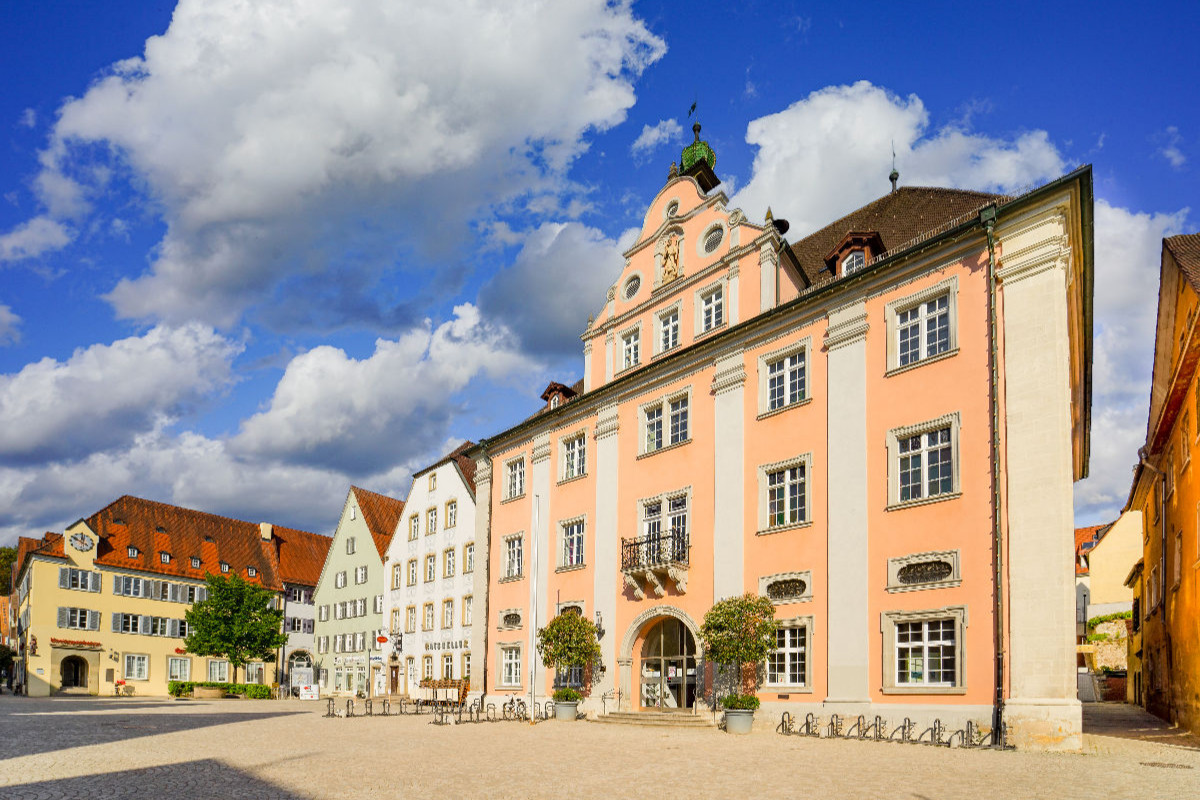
655, 550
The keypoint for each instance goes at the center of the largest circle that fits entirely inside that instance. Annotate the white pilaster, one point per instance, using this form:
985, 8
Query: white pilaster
728, 386
734, 307
607, 540
483, 540
847, 589
768, 267
539, 526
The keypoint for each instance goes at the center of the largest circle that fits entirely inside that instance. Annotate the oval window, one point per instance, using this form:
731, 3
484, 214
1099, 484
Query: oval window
712, 240
672, 208
631, 286
512, 620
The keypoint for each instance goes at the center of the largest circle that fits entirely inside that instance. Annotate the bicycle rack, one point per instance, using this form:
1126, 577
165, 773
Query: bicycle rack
349, 708
369, 707
835, 726
329, 710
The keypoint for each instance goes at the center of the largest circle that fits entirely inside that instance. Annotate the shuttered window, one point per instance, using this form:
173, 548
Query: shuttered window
80, 619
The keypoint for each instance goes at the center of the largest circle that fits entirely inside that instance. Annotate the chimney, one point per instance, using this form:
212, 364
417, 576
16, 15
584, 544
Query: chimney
266, 530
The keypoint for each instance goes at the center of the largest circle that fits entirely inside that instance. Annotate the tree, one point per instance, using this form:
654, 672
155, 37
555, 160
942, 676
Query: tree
740, 631
569, 640
8, 556
7, 654
235, 622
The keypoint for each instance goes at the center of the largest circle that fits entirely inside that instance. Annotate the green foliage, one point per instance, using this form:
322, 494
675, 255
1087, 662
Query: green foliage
7, 654
567, 695
8, 557
1094, 621
741, 631
1098, 637
746, 702
235, 622
254, 691
569, 640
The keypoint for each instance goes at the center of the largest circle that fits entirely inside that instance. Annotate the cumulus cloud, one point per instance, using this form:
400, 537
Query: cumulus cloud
280, 141
1169, 149
106, 394
356, 415
560, 275
1128, 256
653, 136
32, 238
830, 153
9, 326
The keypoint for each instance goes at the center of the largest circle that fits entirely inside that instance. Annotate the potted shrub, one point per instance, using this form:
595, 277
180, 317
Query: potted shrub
740, 632
569, 640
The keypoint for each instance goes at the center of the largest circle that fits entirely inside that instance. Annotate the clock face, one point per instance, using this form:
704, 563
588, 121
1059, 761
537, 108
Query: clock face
81, 541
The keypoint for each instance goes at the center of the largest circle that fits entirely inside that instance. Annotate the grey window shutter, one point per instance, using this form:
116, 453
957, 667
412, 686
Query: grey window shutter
173, 627
62, 617
94, 582
139, 587
116, 584
116, 623
202, 593
144, 624
64, 578
93, 621
152, 589
308, 626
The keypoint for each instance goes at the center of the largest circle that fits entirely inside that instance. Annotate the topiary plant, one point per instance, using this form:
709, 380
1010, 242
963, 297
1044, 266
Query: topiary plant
740, 631
569, 640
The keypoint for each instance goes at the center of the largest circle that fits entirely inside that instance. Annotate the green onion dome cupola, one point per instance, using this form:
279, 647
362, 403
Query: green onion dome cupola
698, 160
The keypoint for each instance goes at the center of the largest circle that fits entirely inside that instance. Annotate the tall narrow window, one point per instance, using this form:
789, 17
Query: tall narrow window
574, 457
668, 331
654, 429
631, 348
679, 420
923, 331
786, 380
513, 557
451, 513
515, 486
712, 309
571, 546
787, 665
786, 496
926, 469
431, 528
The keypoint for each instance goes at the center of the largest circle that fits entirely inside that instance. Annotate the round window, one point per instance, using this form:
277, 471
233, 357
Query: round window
712, 240
673, 208
631, 286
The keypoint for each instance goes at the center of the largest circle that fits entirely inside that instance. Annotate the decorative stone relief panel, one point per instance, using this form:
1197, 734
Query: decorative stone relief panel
787, 587
937, 570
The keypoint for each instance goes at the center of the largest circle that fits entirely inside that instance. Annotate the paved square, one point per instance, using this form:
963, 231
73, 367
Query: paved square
125, 748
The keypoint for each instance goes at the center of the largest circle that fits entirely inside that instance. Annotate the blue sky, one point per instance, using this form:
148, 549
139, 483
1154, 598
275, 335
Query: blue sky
251, 254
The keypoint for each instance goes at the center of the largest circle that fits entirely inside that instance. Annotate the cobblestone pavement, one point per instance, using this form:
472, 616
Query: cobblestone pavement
126, 748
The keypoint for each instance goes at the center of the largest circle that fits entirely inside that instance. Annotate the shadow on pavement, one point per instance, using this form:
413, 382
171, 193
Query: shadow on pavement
195, 780
1125, 721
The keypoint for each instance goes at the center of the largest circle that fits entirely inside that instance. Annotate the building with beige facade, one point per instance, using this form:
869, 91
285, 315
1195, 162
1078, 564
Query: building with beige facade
877, 426
101, 607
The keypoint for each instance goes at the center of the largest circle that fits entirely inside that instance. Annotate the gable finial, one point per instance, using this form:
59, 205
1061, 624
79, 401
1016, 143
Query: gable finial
895, 176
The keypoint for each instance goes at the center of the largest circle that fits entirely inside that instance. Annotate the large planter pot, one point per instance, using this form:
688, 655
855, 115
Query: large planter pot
207, 693
739, 720
565, 711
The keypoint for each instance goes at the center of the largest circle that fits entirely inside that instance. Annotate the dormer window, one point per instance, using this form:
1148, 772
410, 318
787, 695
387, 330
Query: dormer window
224, 567
164, 558
555, 400
853, 262
160, 529
131, 551
251, 571
195, 563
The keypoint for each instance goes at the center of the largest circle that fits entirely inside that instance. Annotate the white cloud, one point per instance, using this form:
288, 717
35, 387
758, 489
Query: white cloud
652, 137
559, 277
28, 118
1128, 256
357, 415
105, 395
273, 135
32, 238
9, 326
831, 152
1170, 148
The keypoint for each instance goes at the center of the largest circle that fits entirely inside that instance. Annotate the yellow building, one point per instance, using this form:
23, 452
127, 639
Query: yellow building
101, 607
1166, 489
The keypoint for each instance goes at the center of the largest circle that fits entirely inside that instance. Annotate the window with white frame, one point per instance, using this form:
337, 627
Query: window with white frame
410, 619
349, 545
514, 485
679, 419
853, 262
360, 574
224, 567
397, 576
784, 493
432, 481
412, 572
571, 543
431, 522
712, 308
514, 556
430, 567
922, 326
653, 424
574, 456
394, 627
469, 557
665, 422
451, 513
360, 607
427, 667
923, 461
447, 666
448, 562
137, 667
378, 604
923, 651
414, 527
428, 609
783, 378
179, 669
78, 579
631, 348
218, 671
668, 330
79, 619
787, 665
323, 613
510, 666
339, 580
448, 613
468, 604
466, 665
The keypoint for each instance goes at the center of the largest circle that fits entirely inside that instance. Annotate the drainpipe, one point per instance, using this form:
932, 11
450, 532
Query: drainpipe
987, 218
1162, 567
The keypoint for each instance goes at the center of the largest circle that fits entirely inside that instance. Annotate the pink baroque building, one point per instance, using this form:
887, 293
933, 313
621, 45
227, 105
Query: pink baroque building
877, 426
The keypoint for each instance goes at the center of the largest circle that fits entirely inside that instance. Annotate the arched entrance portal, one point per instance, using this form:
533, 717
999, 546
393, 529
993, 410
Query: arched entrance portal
668, 669
74, 673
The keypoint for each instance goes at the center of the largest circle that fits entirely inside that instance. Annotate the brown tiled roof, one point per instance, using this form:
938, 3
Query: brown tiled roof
1093, 534
381, 513
1186, 250
898, 217
576, 389
465, 465
154, 528
301, 555
50, 545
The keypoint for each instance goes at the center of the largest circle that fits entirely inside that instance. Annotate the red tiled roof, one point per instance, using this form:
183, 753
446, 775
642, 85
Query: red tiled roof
381, 513
465, 465
301, 555
1186, 250
50, 545
154, 528
898, 217
1092, 534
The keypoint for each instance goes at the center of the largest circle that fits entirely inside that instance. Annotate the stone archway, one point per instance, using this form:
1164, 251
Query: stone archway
73, 674
625, 654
